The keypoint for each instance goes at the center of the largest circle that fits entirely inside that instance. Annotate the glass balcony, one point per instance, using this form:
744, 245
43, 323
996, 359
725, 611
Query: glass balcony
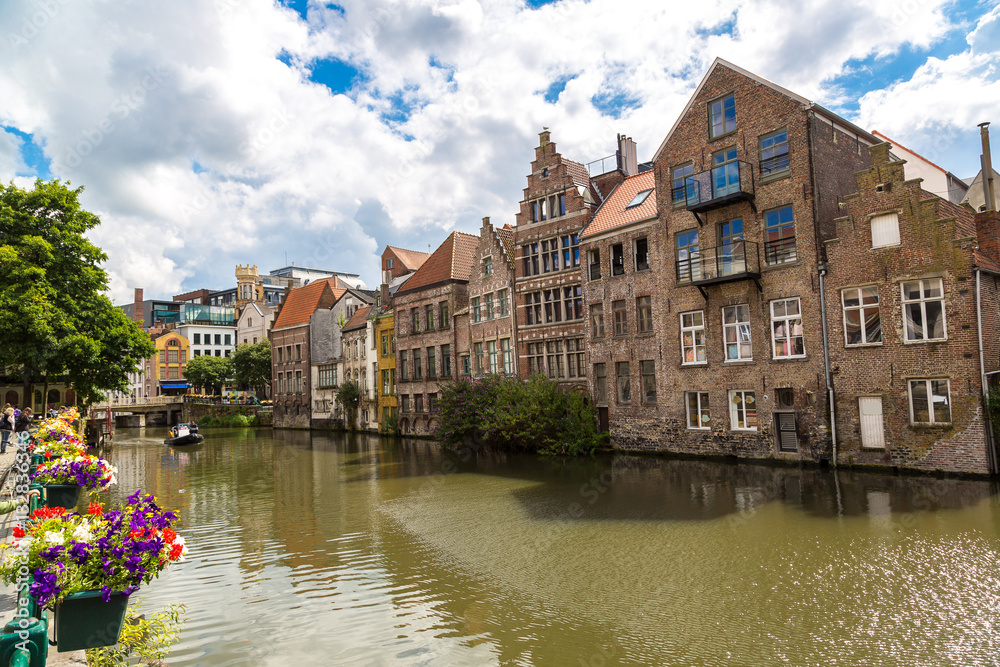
738, 260
720, 186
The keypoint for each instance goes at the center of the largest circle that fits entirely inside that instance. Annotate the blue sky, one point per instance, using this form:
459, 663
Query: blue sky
232, 132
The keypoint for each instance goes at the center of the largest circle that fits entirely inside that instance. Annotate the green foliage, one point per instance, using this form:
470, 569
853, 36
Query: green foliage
55, 319
252, 366
229, 421
536, 415
207, 372
349, 395
148, 639
993, 409
390, 425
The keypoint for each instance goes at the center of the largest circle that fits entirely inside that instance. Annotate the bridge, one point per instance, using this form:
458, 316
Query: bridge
134, 411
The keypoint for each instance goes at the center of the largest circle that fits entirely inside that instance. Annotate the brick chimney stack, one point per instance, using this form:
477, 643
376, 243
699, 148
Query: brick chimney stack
988, 234
628, 162
137, 305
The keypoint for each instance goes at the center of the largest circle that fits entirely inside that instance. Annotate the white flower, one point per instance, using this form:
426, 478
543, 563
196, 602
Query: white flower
54, 538
82, 534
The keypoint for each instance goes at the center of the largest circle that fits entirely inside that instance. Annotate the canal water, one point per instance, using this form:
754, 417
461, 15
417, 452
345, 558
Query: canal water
327, 549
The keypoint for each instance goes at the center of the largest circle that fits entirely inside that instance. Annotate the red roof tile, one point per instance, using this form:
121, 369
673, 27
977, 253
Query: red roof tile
577, 172
302, 302
453, 260
411, 259
358, 319
613, 212
506, 236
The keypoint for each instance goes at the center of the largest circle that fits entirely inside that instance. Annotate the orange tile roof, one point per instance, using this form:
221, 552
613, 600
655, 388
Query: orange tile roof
452, 260
411, 259
302, 302
613, 214
358, 319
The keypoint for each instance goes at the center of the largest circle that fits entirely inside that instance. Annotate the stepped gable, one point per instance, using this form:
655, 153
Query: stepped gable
615, 211
302, 302
453, 260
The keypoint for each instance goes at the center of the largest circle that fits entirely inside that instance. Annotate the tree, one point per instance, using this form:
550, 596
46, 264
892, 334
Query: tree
349, 395
209, 373
56, 322
252, 366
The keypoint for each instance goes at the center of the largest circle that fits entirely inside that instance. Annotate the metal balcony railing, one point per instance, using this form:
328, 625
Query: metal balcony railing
719, 186
729, 262
780, 251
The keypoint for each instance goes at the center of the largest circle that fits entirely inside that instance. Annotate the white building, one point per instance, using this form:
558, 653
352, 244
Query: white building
937, 180
254, 323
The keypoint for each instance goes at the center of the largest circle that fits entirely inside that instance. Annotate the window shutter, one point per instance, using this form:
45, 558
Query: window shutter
787, 440
885, 230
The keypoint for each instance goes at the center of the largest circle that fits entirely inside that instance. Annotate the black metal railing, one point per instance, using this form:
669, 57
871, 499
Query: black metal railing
732, 261
772, 165
719, 186
780, 251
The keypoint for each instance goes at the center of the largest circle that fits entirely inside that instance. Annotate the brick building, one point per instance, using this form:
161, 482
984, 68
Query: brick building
912, 289
748, 181
491, 323
558, 203
425, 335
290, 340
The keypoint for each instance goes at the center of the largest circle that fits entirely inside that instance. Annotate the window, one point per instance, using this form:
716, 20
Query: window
683, 189
197, 353
575, 357
385, 345
648, 381
466, 368
571, 251
298, 353
173, 356
885, 230
386, 387
432, 400
786, 329
476, 312
930, 402
638, 199
536, 358
688, 264
722, 116
693, 338
218, 353
173, 373
326, 376
502, 302
562, 204
417, 370
597, 321
550, 256
446, 361
595, 264
742, 411
218, 339
404, 403
279, 383
530, 254
298, 382
641, 255
617, 260
698, 415
554, 358
389, 263
533, 211
429, 315
507, 357
431, 363
229, 339
779, 236
725, 173
480, 367
600, 384
573, 302
491, 356
533, 304
197, 339
404, 370
553, 308
620, 316
488, 303
418, 402
774, 153
923, 310
736, 332
644, 314
487, 266
624, 383
445, 321
862, 323
414, 320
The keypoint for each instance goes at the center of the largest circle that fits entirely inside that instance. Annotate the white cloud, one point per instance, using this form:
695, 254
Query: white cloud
10, 156
130, 97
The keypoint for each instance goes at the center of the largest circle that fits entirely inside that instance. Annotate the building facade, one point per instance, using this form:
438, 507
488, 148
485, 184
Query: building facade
491, 323
385, 337
360, 366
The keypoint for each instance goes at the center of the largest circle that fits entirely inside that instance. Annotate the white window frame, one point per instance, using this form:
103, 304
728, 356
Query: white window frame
923, 301
742, 331
734, 410
693, 330
861, 307
787, 321
930, 401
703, 408
888, 236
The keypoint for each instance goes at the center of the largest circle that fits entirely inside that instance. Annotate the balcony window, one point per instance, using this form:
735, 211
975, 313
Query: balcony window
774, 153
779, 235
683, 189
722, 116
725, 173
688, 264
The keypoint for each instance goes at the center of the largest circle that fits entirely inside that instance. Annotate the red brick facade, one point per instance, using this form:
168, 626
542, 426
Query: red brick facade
490, 324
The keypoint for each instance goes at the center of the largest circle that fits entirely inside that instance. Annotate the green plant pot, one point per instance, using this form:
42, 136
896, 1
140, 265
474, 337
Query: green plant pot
62, 495
83, 620
37, 459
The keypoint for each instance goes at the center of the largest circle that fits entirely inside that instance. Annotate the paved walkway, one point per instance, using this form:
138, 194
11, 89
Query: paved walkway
8, 600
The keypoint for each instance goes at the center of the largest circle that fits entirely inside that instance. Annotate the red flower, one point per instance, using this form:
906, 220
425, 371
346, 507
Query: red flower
176, 551
169, 535
47, 512
95, 508
48, 455
18, 532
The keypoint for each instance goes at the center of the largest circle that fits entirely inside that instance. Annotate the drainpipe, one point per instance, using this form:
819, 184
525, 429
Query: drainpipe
826, 361
990, 449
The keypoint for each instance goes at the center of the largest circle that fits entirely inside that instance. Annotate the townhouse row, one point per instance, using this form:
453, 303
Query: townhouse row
775, 283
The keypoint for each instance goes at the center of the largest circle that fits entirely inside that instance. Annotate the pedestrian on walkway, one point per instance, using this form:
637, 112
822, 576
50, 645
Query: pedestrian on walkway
24, 421
6, 427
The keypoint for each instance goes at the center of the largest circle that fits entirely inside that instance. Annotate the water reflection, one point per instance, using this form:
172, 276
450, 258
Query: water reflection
379, 552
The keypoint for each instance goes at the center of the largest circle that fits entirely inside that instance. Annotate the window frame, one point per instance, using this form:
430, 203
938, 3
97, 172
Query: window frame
596, 327
600, 384
702, 408
739, 326
623, 382
594, 262
774, 174
735, 407
928, 384
787, 319
644, 264
617, 259
782, 255
694, 329
923, 301
871, 227
721, 101
686, 170
647, 374
644, 306
861, 308
619, 315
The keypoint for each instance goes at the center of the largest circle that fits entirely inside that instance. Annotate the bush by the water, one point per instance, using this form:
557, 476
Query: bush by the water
534, 415
229, 420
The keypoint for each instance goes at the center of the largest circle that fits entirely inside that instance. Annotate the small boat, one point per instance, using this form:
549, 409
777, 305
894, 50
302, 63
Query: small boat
184, 434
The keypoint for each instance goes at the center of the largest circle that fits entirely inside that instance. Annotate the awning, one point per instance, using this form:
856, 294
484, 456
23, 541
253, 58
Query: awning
173, 385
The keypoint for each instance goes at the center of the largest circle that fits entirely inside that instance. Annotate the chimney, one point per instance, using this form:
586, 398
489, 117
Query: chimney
989, 192
137, 306
627, 161
486, 224
543, 137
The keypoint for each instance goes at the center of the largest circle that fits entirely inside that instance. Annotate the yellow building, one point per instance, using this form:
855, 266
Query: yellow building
172, 354
386, 352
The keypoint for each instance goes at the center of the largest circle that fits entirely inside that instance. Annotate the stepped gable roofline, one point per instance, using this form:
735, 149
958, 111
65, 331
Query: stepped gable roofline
615, 211
411, 259
452, 261
358, 320
773, 86
895, 143
302, 302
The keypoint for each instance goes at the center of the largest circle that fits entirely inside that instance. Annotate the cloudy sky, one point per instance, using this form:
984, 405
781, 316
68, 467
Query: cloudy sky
210, 133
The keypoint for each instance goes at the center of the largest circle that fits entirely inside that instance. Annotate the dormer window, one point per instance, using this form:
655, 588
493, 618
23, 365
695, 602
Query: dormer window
638, 199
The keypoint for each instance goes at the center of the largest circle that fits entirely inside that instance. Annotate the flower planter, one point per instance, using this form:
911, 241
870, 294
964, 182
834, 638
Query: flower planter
84, 620
37, 459
62, 495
